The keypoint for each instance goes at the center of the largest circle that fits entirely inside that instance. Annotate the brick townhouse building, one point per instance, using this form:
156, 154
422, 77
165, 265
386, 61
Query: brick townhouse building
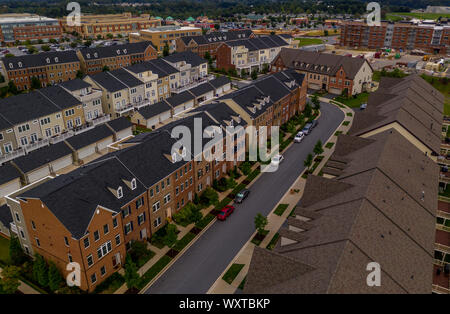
210, 42
48, 67
325, 71
431, 38
93, 60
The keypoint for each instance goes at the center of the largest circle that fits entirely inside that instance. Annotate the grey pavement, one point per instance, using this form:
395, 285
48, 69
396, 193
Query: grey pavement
199, 267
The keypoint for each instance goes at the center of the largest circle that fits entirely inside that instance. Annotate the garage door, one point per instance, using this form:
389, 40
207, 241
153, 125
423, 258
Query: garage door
313, 86
152, 122
189, 104
179, 109
226, 88
104, 143
39, 174
8, 188
209, 95
164, 116
219, 91
335, 91
62, 163
86, 151
124, 133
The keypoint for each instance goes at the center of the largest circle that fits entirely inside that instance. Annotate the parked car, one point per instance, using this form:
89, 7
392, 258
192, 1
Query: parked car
314, 123
363, 106
277, 159
241, 196
307, 128
299, 137
225, 212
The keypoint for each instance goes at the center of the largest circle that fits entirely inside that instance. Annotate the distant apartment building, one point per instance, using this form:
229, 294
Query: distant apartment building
332, 73
164, 35
250, 54
92, 26
94, 60
430, 38
300, 20
23, 27
210, 42
49, 67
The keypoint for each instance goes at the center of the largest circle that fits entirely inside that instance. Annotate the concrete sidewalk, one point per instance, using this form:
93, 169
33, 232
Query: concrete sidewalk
291, 197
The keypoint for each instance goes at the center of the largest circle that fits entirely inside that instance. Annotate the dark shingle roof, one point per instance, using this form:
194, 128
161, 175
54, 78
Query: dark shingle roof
201, 89
180, 98
125, 77
220, 81
60, 97
114, 51
75, 84
155, 109
108, 82
89, 137
41, 157
5, 215
40, 59
157, 66
216, 37
8, 173
120, 124
188, 56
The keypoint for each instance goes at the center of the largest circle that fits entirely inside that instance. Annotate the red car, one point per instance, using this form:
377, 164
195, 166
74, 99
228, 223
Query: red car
225, 212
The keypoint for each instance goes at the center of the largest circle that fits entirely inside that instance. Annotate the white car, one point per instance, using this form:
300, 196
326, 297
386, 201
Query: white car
299, 137
277, 159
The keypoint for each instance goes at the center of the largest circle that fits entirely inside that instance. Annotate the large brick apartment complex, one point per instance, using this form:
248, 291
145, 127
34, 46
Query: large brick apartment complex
92, 26
430, 38
376, 202
23, 27
91, 215
328, 72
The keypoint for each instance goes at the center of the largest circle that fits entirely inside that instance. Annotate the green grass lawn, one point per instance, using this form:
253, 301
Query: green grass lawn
354, 102
272, 242
205, 221
397, 16
181, 244
309, 41
4, 250
329, 145
345, 123
232, 272
154, 270
280, 209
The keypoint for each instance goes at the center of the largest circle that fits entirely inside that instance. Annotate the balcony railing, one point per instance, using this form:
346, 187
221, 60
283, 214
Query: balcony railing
124, 109
190, 85
36, 145
11, 155
61, 137
140, 104
83, 128
101, 119
95, 93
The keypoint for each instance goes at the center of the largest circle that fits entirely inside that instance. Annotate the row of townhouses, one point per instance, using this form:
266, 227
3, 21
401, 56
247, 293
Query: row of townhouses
250, 54
329, 72
92, 214
376, 202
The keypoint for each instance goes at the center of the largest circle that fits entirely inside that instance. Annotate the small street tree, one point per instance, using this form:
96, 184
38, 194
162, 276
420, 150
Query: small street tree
308, 110
254, 75
260, 223
16, 253
308, 161
55, 279
12, 88
10, 280
318, 149
80, 74
105, 68
171, 235
131, 274
315, 100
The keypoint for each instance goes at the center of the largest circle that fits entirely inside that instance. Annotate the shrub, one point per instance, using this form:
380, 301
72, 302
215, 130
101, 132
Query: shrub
131, 274
209, 197
245, 167
171, 235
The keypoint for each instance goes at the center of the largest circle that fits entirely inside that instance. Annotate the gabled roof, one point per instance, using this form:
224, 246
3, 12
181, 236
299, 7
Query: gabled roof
188, 56
89, 137
8, 173
202, 89
220, 81
180, 99
108, 82
119, 124
42, 157
59, 96
74, 85
114, 51
217, 37
125, 77
39, 59
155, 109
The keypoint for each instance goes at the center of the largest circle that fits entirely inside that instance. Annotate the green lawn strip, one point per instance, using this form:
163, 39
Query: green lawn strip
354, 101
242, 284
204, 221
309, 41
281, 209
257, 241
272, 242
345, 123
253, 175
145, 258
110, 284
223, 203
329, 144
232, 273
349, 114
237, 189
4, 250
154, 271
181, 244
338, 133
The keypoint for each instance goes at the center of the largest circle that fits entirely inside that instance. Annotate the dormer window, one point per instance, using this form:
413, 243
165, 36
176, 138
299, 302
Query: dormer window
88, 55
133, 184
20, 64
118, 51
119, 192
48, 60
56, 59
124, 51
95, 55
11, 65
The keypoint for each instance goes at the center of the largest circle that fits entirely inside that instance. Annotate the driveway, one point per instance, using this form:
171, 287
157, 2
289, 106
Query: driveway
199, 267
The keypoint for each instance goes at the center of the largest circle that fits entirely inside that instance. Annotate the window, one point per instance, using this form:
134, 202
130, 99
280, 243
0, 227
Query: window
38, 243
93, 278
106, 229
157, 222
119, 192
133, 184
90, 260
86, 243
157, 189
126, 211
33, 225
114, 222
156, 206
70, 258
139, 202
117, 238
128, 228
66, 241
167, 198
96, 235
103, 271
104, 249
141, 219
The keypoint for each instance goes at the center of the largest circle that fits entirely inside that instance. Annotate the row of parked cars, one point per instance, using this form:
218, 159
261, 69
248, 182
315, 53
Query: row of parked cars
305, 131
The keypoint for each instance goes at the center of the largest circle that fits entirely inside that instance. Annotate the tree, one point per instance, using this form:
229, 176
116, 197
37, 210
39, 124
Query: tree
9, 55
217, 26
209, 196
12, 88
35, 83
171, 235
308, 110
308, 161
32, 49
88, 42
40, 270
55, 279
325, 33
131, 275
45, 48
105, 68
109, 36
16, 253
73, 44
315, 100
260, 223
207, 56
166, 50
10, 279
80, 74
254, 75
99, 37
318, 149
265, 68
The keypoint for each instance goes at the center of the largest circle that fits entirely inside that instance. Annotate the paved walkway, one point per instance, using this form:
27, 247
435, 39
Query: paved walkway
291, 197
25, 288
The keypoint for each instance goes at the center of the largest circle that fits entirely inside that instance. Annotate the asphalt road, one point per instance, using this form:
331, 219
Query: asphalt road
198, 268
